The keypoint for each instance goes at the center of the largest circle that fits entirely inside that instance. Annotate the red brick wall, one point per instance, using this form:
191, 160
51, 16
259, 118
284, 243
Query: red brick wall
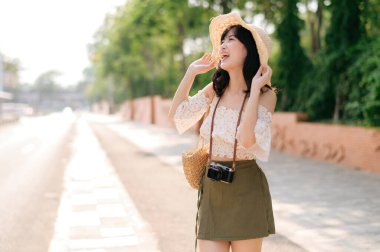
161, 110
348, 145
356, 147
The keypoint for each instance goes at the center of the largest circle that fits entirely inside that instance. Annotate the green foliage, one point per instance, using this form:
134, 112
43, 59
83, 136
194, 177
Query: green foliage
141, 48
46, 82
363, 104
325, 61
292, 64
344, 82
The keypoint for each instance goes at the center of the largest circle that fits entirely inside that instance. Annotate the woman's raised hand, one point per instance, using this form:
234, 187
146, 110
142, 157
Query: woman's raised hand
203, 64
262, 77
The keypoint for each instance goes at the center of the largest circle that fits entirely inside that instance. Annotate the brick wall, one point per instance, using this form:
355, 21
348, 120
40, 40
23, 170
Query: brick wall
356, 147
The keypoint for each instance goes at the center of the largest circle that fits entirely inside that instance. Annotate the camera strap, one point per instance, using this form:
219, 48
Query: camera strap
212, 128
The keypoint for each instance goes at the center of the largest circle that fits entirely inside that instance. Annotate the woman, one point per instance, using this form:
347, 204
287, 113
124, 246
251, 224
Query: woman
236, 214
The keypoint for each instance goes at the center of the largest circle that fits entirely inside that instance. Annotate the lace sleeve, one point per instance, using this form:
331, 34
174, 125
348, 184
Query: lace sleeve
262, 147
190, 111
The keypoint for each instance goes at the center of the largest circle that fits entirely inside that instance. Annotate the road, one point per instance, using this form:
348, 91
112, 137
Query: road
71, 183
161, 193
33, 157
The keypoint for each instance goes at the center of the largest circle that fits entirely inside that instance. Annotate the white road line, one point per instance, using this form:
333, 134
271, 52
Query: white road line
96, 213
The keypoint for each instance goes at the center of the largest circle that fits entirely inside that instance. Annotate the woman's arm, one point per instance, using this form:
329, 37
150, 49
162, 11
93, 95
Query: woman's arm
199, 66
246, 131
182, 92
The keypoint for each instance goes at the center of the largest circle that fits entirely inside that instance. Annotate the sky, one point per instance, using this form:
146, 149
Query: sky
49, 35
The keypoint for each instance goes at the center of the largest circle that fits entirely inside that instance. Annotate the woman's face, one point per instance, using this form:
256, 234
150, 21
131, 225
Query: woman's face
232, 52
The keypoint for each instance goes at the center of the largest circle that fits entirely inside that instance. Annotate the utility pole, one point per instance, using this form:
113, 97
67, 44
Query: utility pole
110, 91
1, 86
1, 73
3, 95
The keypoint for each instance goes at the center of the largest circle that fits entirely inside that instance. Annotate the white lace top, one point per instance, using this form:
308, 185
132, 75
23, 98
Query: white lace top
192, 109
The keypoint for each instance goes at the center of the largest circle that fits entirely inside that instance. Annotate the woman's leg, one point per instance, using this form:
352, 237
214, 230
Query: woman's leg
251, 245
213, 246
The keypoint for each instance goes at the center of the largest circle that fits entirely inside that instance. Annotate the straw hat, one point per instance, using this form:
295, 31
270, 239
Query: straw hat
220, 23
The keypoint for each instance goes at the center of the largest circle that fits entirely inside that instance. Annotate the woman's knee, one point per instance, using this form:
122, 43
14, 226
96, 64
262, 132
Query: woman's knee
250, 245
213, 246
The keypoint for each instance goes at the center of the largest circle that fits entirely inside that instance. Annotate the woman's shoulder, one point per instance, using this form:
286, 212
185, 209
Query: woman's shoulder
209, 91
268, 99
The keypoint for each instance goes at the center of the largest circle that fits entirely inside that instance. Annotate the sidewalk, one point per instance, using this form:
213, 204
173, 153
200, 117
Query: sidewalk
319, 206
96, 214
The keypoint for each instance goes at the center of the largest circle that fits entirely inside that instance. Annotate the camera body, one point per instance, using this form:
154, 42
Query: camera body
219, 172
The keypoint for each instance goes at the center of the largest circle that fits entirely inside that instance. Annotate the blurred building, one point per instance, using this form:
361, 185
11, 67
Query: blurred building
4, 96
17, 100
52, 101
9, 78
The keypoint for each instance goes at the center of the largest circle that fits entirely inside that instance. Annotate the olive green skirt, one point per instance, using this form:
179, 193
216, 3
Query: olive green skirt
236, 211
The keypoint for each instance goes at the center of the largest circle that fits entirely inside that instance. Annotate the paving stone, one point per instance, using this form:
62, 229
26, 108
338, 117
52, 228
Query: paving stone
96, 214
319, 205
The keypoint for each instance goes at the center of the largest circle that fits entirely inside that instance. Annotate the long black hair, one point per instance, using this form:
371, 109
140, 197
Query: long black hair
221, 78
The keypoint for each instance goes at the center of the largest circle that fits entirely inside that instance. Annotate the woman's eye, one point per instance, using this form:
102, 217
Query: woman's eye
229, 38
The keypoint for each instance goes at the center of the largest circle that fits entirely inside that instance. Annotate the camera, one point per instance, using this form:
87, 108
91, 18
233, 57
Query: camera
219, 172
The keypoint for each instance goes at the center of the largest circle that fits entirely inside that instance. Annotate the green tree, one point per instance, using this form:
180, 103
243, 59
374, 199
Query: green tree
141, 48
292, 64
46, 82
331, 80
325, 58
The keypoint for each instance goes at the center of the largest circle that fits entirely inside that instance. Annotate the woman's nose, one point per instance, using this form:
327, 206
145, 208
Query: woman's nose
222, 47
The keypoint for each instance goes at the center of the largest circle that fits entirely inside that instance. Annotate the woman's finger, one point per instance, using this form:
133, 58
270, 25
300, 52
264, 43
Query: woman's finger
209, 63
208, 58
268, 73
269, 69
259, 71
264, 68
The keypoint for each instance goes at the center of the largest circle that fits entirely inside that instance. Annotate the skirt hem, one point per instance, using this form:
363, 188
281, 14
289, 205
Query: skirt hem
236, 238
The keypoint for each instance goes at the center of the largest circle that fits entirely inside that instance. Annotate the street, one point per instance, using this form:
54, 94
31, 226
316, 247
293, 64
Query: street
95, 183
33, 158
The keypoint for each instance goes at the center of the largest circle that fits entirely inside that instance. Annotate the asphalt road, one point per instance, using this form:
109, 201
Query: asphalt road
33, 154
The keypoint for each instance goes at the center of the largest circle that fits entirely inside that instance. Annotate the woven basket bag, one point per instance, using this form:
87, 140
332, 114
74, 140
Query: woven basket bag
194, 163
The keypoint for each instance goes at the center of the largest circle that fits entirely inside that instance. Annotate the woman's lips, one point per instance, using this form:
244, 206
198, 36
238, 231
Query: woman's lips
224, 57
